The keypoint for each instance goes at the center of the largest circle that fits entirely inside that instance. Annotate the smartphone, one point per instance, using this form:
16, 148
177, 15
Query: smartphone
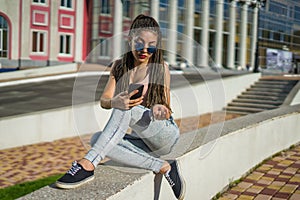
135, 86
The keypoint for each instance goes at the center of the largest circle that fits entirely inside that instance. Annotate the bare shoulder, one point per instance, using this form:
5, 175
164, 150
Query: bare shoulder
166, 66
115, 66
115, 63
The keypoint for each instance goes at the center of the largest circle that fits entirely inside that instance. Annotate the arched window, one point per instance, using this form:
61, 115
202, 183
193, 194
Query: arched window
3, 37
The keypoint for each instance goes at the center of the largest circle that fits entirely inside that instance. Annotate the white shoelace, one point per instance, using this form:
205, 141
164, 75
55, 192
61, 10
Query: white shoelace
74, 169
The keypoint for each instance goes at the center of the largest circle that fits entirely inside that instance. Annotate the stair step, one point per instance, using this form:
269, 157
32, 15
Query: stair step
275, 94
246, 96
258, 101
243, 109
236, 112
263, 95
261, 89
279, 82
253, 105
284, 87
274, 85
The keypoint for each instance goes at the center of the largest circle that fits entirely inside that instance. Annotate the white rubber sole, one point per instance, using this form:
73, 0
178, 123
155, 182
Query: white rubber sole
73, 185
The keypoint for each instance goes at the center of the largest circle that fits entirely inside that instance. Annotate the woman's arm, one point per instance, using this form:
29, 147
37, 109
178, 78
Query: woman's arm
167, 82
121, 100
108, 93
159, 111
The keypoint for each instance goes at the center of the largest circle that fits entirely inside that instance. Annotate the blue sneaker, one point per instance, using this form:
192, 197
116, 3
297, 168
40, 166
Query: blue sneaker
175, 180
75, 177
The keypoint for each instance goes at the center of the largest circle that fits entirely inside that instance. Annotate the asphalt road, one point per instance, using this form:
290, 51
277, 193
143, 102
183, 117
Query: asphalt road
39, 96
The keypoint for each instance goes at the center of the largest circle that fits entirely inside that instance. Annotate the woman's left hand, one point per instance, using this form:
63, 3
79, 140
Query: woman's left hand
160, 112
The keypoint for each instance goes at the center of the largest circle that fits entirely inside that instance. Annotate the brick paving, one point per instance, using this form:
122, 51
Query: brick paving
32, 162
277, 178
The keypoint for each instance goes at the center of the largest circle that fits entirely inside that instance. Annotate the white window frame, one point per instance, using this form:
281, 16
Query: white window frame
38, 52
104, 45
40, 3
64, 45
65, 3
46, 18
1, 39
107, 4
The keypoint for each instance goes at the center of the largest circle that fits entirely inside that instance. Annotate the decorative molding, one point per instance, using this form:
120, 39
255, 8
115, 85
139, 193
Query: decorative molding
105, 26
66, 21
36, 15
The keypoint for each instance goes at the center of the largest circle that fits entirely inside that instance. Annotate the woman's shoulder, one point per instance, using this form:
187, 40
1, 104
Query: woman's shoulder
116, 63
166, 65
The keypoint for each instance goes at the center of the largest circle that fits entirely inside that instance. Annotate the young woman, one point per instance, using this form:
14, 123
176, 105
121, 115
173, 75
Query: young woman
148, 115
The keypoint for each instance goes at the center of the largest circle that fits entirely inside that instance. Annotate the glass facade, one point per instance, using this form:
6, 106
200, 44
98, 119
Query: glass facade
279, 28
279, 25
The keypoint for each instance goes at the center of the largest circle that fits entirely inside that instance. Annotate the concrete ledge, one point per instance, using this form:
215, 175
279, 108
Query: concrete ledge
70, 121
36, 72
213, 157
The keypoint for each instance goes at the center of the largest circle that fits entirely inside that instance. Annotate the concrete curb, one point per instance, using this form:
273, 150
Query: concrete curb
244, 137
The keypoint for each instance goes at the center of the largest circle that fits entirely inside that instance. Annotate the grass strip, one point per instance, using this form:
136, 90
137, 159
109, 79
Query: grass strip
19, 190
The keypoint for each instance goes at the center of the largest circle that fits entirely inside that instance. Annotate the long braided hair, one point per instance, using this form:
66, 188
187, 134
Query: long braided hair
156, 87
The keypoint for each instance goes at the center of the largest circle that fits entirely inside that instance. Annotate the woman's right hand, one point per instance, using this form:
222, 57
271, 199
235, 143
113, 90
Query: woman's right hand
122, 100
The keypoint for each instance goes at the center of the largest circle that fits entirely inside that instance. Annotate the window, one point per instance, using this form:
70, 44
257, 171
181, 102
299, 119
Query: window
105, 7
66, 3
104, 48
126, 8
38, 42
278, 8
3, 38
297, 12
39, 1
276, 36
65, 44
266, 34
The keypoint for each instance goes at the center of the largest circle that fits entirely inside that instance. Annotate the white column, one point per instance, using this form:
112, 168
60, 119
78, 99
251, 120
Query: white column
172, 33
243, 36
188, 49
219, 33
232, 34
155, 9
79, 31
203, 61
118, 27
95, 32
53, 31
254, 34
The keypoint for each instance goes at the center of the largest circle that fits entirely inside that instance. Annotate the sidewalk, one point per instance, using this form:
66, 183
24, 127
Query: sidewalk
41, 160
277, 178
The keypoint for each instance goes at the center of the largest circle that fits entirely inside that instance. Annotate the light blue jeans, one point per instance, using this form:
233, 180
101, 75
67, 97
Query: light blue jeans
150, 139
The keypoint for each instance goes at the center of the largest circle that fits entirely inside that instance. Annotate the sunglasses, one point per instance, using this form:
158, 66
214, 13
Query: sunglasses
139, 46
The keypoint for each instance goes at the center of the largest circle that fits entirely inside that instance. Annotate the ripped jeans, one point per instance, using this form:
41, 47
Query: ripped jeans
150, 139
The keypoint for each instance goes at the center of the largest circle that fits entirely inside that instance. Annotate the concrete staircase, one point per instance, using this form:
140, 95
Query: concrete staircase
265, 94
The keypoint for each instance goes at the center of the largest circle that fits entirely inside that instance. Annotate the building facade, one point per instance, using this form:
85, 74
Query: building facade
205, 33
42, 32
